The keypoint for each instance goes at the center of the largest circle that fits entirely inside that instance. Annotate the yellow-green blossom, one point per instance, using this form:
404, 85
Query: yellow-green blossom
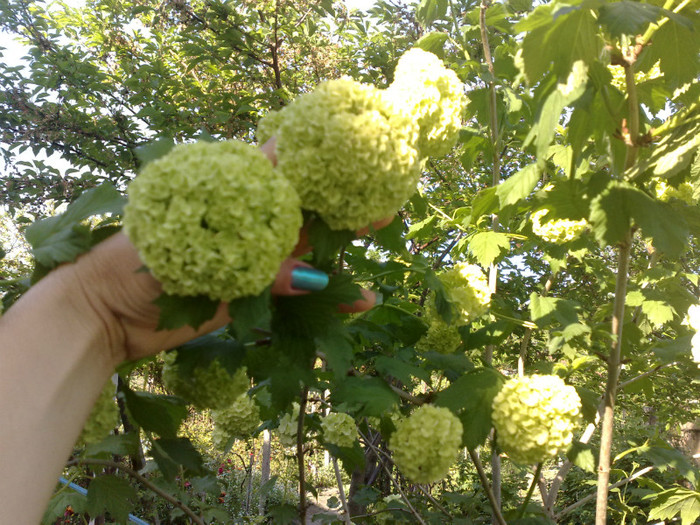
210, 386
236, 421
556, 231
535, 416
426, 443
213, 219
434, 97
350, 155
467, 289
339, 429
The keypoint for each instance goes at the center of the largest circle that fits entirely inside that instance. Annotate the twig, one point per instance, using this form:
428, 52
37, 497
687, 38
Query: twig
435, 502
142, 480
588, 498
393, 480
606, 433
526, 501
487, 487
341, 492
300, 454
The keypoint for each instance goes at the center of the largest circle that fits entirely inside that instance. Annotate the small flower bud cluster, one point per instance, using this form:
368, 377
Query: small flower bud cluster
210, 386
693, 320
103, 418
440, 337
467, 289
684, 192
556, 231
434, 97
426, 443
535, 416
213, 218
339, 429
288, 425
236, 421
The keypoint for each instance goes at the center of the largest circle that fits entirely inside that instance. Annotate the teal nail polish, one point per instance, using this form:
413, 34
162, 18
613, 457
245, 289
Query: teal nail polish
308, 279
378, 299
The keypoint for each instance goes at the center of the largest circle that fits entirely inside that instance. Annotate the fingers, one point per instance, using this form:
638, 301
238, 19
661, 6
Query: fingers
378, 225
269, 149
298, 278
369, 299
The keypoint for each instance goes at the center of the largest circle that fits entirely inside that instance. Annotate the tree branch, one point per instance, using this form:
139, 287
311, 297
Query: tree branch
142, 480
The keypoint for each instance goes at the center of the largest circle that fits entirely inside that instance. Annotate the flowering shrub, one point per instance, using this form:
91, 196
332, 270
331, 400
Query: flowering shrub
339, 429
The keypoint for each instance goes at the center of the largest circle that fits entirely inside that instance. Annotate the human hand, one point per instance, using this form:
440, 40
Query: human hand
113, 285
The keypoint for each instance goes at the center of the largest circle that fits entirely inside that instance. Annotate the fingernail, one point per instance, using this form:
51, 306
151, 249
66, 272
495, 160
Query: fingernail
309, 279
378, 299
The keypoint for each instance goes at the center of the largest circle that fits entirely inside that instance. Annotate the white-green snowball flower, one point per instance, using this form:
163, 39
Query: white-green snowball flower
104, 417
210, 386
693, 317
339, 429
467, 289
213, 218
434, 97
426, 443
268, 125
288, 425
350, 155
556, 231
236, 421
535, 417
440, 337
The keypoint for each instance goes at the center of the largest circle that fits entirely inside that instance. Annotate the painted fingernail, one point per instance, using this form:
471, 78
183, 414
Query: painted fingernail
378, 299
309, 279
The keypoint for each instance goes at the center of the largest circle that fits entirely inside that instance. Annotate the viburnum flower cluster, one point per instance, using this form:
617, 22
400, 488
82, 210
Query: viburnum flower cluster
287, 428
426, 443
467, 289
684, 192
339, 429
210, 386
434, 97
535, 416
440, 337
103, 418
238, 420
213, 218
556, 231
693, 319
354, 152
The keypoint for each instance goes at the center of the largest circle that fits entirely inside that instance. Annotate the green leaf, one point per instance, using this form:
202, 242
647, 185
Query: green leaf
177, 311
326, 242
400, 369
111, 494
556, 36
120, 445
486, 247
62, 238
249, 313
678, 500
627, 18
545, 310
677, 47
283, 514
613, 210
173, 453
471, 397
338, 351
352, 458
430, 10
518, 186
58, 504
391, 237
589, 403
209, 348
154, 150
154, 412
365, 396
433, 43
583, 456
